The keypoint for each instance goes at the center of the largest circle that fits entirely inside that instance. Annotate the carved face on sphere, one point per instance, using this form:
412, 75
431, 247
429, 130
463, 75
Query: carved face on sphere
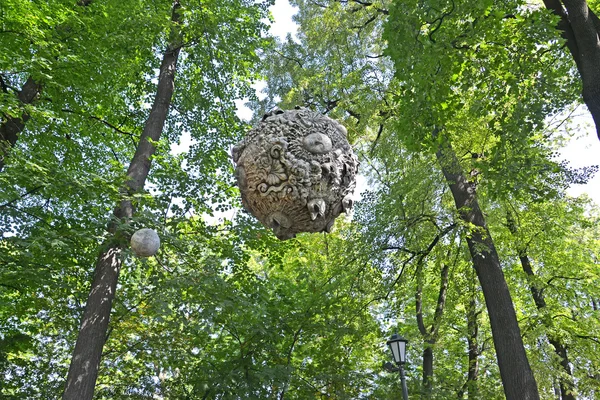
296, 171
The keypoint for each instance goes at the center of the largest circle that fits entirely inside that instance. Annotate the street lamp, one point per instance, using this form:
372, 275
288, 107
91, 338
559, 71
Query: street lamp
397, 345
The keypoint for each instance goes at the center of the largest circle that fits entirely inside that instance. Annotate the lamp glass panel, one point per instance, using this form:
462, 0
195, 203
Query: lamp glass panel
402, 352
395, 351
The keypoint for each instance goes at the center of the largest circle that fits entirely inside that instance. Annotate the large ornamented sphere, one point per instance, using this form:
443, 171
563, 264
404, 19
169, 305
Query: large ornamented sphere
145, 242
296, 171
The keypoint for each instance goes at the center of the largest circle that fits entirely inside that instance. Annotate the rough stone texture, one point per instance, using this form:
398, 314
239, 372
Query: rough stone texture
296, 171
145, 242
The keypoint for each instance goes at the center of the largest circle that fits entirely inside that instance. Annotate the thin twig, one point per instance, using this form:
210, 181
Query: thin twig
99, 120
35, 189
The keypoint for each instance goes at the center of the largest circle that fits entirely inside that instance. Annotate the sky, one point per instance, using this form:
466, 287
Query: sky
581, 151
282, 12
584, 150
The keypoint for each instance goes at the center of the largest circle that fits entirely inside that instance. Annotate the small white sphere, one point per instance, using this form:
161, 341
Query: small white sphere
145, 242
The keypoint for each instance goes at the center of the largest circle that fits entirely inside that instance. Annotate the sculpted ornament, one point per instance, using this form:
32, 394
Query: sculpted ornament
296, 171
145, 242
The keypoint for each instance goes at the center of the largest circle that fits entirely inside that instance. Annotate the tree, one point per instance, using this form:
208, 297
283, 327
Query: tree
517, 377
580, 26
224, 310
566, 384
542, 264
83, 371
506, 333
457, 67
13, 125
430, 333
96, 104
58, 64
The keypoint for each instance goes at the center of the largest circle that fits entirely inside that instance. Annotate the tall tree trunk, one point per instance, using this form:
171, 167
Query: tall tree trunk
517, 377
566, 384
13, 126
471, 386
430, 334
83, 370
580, 27
427, 360
427, 369
473, 329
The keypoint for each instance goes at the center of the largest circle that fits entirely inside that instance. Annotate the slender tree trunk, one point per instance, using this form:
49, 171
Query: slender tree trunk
471, 386
427, 360
13, 126
566, 384
85, 362
473, 343
94, 325
429, 334
427, 370
517, 377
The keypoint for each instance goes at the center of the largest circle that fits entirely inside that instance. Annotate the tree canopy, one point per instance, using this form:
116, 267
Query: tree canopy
465, 241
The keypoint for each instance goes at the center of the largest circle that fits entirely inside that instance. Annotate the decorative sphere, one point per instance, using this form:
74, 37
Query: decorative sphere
296, 171
145, 242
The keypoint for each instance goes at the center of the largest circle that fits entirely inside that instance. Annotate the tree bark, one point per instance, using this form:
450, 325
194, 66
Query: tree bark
83, 370
471, 386
515, 371
429, 334
13, 126
427, 361
580, 26
473, 370
560, 349
85, 362
427, 370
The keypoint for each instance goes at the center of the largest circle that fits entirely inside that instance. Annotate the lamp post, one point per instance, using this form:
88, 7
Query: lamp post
397, 345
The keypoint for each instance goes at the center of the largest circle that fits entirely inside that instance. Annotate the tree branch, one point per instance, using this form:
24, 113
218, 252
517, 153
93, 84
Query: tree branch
439, 21
35, 189
13, 126
289, 58
379, 131
567, 30
419, 298
93, 117
365, 24
441, 301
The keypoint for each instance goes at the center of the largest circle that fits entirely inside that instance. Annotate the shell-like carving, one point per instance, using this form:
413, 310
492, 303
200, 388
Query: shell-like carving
316, 208
317, 143
296, 171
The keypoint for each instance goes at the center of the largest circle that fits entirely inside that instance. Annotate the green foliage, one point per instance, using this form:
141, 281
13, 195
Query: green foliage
225, 310
96, 64
487, 77
561, 239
